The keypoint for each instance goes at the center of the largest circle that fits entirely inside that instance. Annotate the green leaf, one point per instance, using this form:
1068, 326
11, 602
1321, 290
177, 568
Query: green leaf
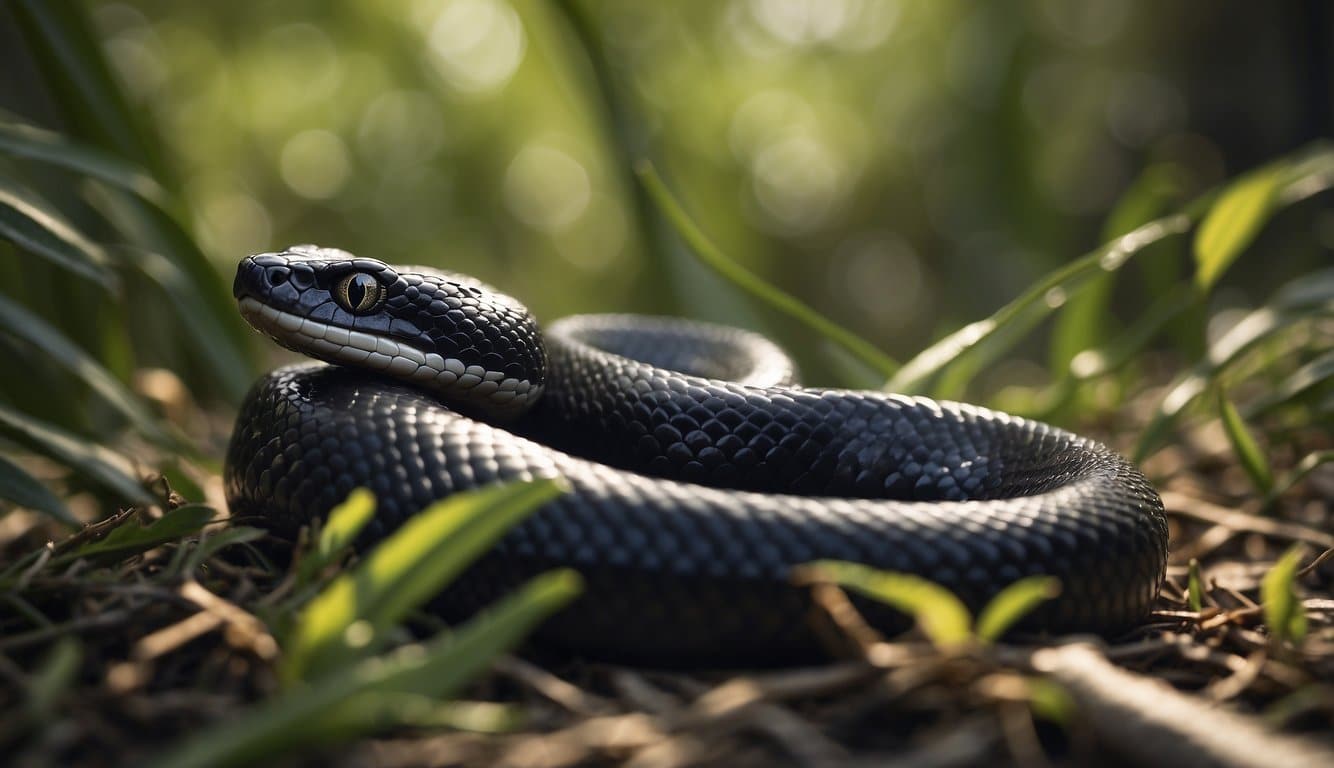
711, 256
1050, 701
130, 539
25, 491
1195, 587
326, 712
1013, 603
942, 616
1041, 298
27, 222
1248, 452
28, 141
68, 355
93, 461
344, 523
352, 617
1234, 221
1284, 613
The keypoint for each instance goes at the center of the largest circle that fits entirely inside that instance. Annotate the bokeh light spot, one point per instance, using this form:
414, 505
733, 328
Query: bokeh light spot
234, 224
477, 45
546, 188
798, 182
314, 164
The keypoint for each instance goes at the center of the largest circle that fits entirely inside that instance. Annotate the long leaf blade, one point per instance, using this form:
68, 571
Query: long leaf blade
917, 372
318, 713
129, 538
94, 461
31, 142
1284, 613
942, 616
750, 283
1013, 603
403, 571
29, 224
1234, 221
23, 324
22, 489
1248, 452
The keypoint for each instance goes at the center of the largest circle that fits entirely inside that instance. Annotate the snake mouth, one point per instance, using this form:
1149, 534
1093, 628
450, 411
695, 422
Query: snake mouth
447, 376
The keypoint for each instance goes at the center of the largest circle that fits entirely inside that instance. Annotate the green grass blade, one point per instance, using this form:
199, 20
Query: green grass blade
23, 489
750, 283
93, 461
1126, 347
1284, 613
943, 617
55, 345
352, 617
1260, 325
31, 225
1013, 603
324, 711
1195, 587
1243, 443
33, 143
1041, 298
1234, 221
344, 523
130, 538
1309, 378
1302, 468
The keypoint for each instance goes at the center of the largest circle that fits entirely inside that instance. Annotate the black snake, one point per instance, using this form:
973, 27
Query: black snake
699, 474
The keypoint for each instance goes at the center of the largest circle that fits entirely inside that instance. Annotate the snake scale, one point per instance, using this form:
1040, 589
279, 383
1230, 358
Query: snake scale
699, 474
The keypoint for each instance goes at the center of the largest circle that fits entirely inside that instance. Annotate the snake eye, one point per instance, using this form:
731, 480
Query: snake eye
358, 293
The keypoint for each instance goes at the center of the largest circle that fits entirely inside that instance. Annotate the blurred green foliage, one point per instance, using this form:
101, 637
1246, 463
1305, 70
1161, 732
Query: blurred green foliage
903, 166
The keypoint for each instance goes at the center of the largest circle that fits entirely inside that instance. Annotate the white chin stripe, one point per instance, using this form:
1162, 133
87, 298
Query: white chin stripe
340, 345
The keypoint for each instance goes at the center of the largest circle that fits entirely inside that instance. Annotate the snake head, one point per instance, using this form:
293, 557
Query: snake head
453, 335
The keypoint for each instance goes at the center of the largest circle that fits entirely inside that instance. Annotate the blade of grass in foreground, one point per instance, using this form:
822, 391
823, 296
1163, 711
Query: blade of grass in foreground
750, 283
352, 617
1013, 603
327, 711
1284, 612
943, 617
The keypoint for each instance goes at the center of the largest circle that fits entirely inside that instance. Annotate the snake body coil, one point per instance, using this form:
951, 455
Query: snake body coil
692, 498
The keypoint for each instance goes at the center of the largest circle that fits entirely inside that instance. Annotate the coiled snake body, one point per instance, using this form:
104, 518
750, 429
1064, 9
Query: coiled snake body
692, 497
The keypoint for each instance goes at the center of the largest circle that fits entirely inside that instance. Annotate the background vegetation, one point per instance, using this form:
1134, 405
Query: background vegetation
1108, 214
